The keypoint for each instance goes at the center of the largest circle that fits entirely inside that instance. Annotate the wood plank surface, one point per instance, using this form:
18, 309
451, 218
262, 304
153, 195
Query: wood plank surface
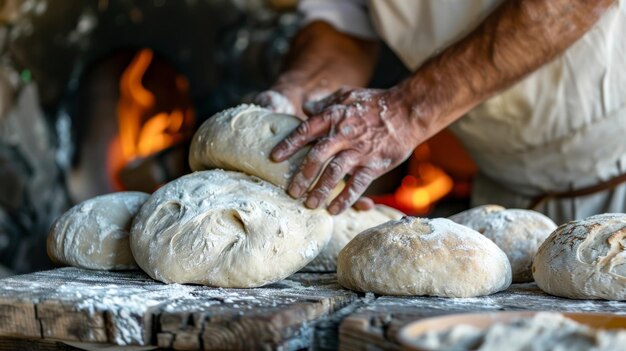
307, 310
129, 308
375, 326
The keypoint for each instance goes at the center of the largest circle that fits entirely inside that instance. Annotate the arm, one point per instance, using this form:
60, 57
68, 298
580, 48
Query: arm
368, 132
320, 61
517, 39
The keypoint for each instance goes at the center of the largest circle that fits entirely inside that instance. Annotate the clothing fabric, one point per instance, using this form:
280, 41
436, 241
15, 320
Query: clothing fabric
559, 129
347, 16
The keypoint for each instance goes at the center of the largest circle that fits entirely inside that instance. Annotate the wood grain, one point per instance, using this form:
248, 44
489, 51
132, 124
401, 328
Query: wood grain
375, 326
39, 310
129, 308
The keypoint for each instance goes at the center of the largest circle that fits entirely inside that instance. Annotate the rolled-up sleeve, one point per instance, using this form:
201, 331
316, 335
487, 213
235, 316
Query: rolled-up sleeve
347, 16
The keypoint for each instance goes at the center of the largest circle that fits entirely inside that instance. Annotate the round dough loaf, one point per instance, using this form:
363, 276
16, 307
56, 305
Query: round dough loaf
94, 233
226, 229
242, 138
345, 227
585, 259
519, 233
419, 256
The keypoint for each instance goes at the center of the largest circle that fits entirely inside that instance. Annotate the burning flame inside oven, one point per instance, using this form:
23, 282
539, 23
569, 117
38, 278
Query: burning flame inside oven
425, 185
438, 168
143, 129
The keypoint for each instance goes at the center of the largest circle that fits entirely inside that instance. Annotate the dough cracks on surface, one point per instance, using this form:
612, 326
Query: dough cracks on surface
226, 229
419, 256
585, 259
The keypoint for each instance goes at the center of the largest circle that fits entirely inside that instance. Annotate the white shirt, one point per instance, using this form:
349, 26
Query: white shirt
561, 128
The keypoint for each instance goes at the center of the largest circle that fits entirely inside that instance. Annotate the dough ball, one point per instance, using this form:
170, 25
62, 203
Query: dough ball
345, 227
94, 233
226, 229
519, 233
419, 256
585, 259
241, 139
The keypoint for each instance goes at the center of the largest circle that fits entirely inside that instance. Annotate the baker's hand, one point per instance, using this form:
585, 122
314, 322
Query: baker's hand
321, 60
362, 132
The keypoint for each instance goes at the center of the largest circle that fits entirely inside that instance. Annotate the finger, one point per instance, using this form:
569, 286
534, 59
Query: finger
306, 132
355, 187
334, 172
313, 164
364, 204
316, 106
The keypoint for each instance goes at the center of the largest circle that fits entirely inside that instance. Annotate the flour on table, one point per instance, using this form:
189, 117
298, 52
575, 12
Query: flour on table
541, 332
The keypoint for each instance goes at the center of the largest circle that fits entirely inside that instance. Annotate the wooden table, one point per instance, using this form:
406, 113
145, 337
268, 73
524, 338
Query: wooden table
129, 308
377, 324
52, 310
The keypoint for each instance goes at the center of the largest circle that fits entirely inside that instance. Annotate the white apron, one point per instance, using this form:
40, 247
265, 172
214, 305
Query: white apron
562, 128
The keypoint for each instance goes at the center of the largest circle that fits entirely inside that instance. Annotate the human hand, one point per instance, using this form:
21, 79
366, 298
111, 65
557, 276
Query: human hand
320, 61
363, 132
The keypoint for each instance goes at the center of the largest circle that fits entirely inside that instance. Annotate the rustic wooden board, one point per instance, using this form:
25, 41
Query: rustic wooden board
376, 325
129, 308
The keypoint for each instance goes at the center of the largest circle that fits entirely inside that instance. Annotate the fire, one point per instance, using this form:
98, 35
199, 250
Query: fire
425, 185
144, 129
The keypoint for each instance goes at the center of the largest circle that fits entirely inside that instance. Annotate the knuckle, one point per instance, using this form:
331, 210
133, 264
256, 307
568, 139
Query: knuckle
333, 114
335, 169
361, 180
322, 191
303, 128
319, 151
346, 129
288, 143
359, 183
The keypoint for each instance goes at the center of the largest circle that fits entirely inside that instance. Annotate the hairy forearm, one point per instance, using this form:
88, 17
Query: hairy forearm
515, 40
321, 55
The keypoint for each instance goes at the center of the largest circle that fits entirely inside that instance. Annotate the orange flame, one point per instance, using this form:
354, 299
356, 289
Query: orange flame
430, 184
143, 130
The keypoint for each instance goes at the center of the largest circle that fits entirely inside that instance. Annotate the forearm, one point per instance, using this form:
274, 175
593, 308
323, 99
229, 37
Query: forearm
515, 40
321, 57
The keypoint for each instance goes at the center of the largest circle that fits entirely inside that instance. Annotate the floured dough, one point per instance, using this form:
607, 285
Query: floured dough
519, 233
94, 233
345, 227
419, 256
241, 139
542, 332
226, 229
585, 259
